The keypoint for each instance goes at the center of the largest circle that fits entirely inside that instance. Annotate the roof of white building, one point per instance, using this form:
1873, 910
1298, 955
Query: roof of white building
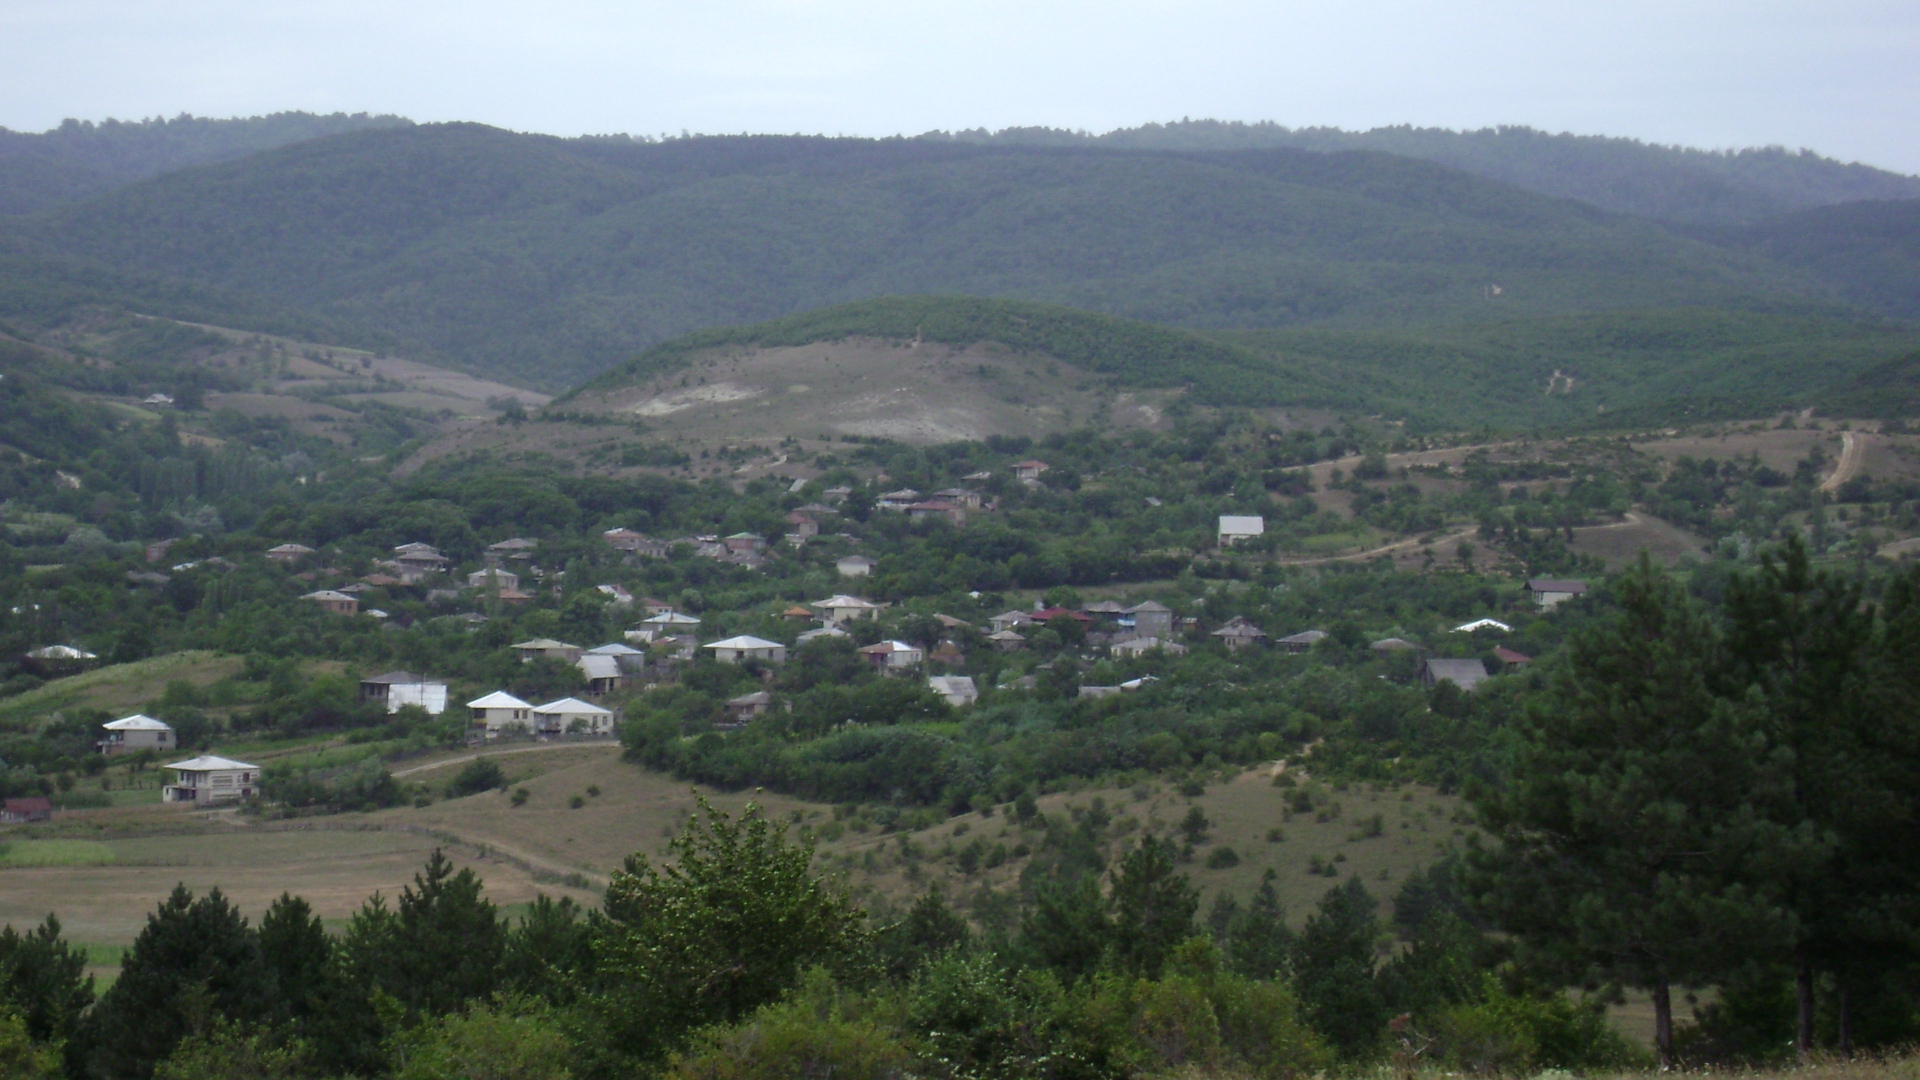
843, 601
136, 722
743, 641
209, 763
571, 706
499, 699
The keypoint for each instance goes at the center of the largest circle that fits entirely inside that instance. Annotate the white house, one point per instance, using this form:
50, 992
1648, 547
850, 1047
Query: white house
738, 650
1551, 592
845, 608
616, 594
671, 622
1235, 528
602, 671
431, 696
498, 711
829, 630
132, 734
957, 689
893, 654
854, 566
209, 779
546, 649
493, 576
1482, 624
571, 716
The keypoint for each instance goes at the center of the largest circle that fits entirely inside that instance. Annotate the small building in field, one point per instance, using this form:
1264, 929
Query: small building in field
1028, 470
1152, 619
287, 553
338, 603
747, 706
958, 690
56, 660
397, 689
499, 711
1509, 659
546, 649
1302, 641
1551, 592
854, 566
494, 578
603, 673
891, 655
26, 810
1237, 527
831, 630
943, 511
132, 734
844, 608
571, 716
1140, 646
745, 647
1008, 640
1238, 633
210, 779
1466, 674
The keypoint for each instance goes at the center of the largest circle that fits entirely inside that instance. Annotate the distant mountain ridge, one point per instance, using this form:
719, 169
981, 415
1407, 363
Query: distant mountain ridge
547, 260
1626, 176
39, 170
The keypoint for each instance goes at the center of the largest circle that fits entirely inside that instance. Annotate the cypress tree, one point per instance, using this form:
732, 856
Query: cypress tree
1153, 907
1333, 970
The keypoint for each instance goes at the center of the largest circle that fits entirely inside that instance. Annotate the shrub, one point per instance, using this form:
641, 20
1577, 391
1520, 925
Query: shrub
811, 1035
1222, 858
520, 796
480, 774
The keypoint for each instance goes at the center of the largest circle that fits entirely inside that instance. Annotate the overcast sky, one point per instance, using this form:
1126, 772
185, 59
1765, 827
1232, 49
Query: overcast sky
1839, 76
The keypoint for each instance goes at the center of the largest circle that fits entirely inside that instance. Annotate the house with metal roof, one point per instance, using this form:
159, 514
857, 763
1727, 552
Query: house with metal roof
745, 647
132, 734
1237, 527
571, 716
1466, 674
1552, 592
210, 779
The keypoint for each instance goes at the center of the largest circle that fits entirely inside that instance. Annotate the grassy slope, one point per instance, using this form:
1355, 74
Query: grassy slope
533, 253
1627, 366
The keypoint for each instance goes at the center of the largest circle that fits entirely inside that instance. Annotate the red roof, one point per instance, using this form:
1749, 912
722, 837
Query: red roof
1046, 614
33, 804
1508, 656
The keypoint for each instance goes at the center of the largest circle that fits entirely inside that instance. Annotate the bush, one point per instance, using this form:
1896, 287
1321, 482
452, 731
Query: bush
480, 774
814, 1034
1513, 1035
1222, 858
516, 1039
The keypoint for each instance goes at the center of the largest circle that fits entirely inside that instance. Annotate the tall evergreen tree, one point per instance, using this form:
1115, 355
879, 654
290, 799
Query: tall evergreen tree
1257, 938
298, 956
1636, 805
1333, 970
1153, 906
1067, 929
1839, 692
43, 981
194, 961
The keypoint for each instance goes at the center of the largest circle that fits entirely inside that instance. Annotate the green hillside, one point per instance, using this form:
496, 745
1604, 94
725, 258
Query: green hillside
1627, 176
1869, 251
80, 158
549, 260
1594, 369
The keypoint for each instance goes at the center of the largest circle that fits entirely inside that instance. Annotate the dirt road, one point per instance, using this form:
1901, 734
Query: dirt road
1851, 448
503, 753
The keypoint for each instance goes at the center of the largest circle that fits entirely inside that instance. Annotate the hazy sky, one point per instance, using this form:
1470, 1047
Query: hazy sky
1839, 76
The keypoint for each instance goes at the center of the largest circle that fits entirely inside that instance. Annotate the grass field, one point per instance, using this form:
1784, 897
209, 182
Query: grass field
119, 688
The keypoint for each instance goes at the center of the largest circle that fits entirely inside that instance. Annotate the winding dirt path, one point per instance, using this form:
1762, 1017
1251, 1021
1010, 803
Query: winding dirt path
609, 745
1852, 447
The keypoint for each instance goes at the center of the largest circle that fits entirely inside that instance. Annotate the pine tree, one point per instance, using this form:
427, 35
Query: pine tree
43, 981
1333, 970
1067, 929
549, 952
194, 962
1153, 908
1636, 806
1841, 709
930, 928
298, 955
1258, 939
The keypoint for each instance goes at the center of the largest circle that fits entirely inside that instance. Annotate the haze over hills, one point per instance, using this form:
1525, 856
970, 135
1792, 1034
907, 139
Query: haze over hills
80, 158
547, 260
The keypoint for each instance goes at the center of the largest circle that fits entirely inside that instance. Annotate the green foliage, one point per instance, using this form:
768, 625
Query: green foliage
440, 947
512, 1040
230, 1052
1511, 1035
1333, 971
43, 981
1152, 907
480, 774
726, 927
195, 960
20, 1055
814, 1034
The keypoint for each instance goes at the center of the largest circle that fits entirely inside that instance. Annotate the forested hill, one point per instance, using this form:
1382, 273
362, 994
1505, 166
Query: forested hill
548, 260
79, 158
1671, 183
